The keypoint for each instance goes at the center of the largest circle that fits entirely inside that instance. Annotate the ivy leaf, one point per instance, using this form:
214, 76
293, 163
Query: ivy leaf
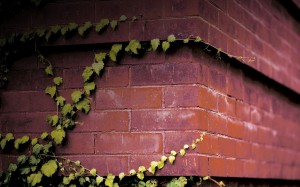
155, 43
52, 120
37, 148
186, 146
3, 143
44, 135
34, 141
40, 32
171, 38
47, 148
34, 160
186, 40
88, 87
77, 163
83, 105
164, 158
49, 168
22, 140
174, 153
134, 18
193, 146
64, 30
151, 170
133, 46
97, 67
140, 175
101, 25
51, 90
123, 18
121, 175
67, 109
72, 26
109, 180
58, 135
132, 172
76, 96
58, 81
22, 159
171, 159
87, 73
49, 70
205, 178
66, 180
165, 46
99, 57
113, 24
114, 51
25, 171
142, 169
12, 167
93, 172
9, 136
182, 152
82, 29
99, 180
60, 101
197, 39
54, 29
160, 164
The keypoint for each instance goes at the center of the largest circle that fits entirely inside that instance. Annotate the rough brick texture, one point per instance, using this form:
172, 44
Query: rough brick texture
145, 107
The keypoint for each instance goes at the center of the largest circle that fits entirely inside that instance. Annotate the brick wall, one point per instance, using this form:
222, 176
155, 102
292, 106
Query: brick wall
144, 108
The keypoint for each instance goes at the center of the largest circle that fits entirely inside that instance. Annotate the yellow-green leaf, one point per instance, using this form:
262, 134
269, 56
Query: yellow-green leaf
186, 146
44, 135
101, 25
165, 46
51, 90
84, 105
121, 175
67, 109
99, 57
174, 153
114, 51
182, 152
58, 135
76, 96
34, 141
205, 178
49, 168
57, 81
93, 172
142, 169
151, 170
99, 180
186, 40
132, 172
60, 101
171, 159
123, 18
140, 175
64, 30
97, 67
52, 120
9, 136
87, 73
164, 158
193, 146
49, 70
113, 24
160, 164
133, 46
198, 39
82, 29
72, 26
34, 178
155, 43
171, 38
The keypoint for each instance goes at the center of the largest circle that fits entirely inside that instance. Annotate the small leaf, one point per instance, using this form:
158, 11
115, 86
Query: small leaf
37, 148
44, 135
114, 24
132, 172
174, 153
155, 43
164, 158
72, 26
12, 167
84, 105
64, 30
114, 51
77, 163
165, 46
49, 168
82, 29
58, 135
151, 170
186, 146
171, 159
123, 18
9, 136
60, 101
221, 183
182, 152
93, 172
58, 81
67, 109
101, 25
193, 146
22, 159
49, 70
40, 32
197, 39
160, 164
142, 169
133, 46
134, 18
97, 67
76, 96
34, 141
99, 180
87, 73
121, 175
52, 120
66, 180
54, 29
51, 90
100, 57
140, 175
34, 178
186, 40
205, 178
171, 38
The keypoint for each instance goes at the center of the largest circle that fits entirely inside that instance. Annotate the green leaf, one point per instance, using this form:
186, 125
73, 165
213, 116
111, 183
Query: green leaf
152, 169
155, 43
44, 135
3, 143
17, 143
77, 163
87, 73
67, 109
186, 40
174, 153
114, 51
97, 67
171, 38
54, 29
160, 164
22, 159
9, 136
186, 146
72, 26
49, 70
51, 90
114, 24
99, 180
132, 172
142, 169
123, 18
58, 81
88, 87
133, 46
76, 96
34, 141
99, 57
197, 39
165, 46
47, 148
134, 18
60, 101
205, 178
34, 160
40, 32
64, 30
49, 168
109, 180
25, 171
93, 172
22, 140
52, 120
82, 29
121, 175
182, 152
193, 146
164, 158
171, 159
37, 148
58, 135
140, 175
12, 167
66, 180
101, 25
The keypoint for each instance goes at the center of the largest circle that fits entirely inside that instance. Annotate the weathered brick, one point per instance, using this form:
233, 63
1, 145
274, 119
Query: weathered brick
209, 145
217, 80
182, 119
208, 98
235, 129
227, 105
243, 111
182, 96
217, 123
128, 143
217, 166
82, 143
114, 77
251, 168
227, 147
129, 98
243, 149
163, 74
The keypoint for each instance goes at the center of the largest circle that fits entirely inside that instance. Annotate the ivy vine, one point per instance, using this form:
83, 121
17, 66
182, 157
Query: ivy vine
39, 165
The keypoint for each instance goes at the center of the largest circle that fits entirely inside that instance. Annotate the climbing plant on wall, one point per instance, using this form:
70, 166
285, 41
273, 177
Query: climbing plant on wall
38, 164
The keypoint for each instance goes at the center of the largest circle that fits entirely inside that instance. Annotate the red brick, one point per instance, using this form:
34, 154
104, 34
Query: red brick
217, 80
180, 8
25, 63
183, 119
243, 149
251, 168
82, 143
217, 167
226, 105
256, 115
227, 147
164, 74
103, 164
182, 96
220, 4
235, 129
103, 121
235, 84
209, 145
234, 168
129, 98
208, 12
114, 77
71, 81
208, 99
128, 143
243, 111
181, 55
217, 39
217, 123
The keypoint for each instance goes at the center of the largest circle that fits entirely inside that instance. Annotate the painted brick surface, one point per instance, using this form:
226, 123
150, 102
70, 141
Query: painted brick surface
145, 107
